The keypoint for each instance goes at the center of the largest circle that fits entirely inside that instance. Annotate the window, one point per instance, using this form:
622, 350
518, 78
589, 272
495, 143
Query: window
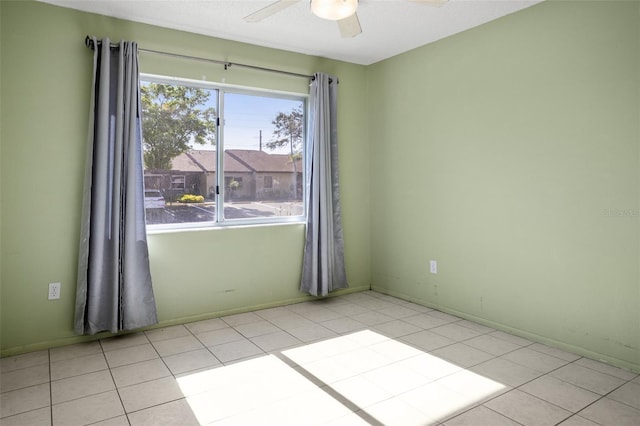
221, 155
177, 182
268, 183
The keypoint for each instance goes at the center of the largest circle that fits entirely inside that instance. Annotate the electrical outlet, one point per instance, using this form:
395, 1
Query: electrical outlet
54, 291
433, 266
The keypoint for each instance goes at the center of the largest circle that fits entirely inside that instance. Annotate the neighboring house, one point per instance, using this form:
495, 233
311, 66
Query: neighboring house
259, 176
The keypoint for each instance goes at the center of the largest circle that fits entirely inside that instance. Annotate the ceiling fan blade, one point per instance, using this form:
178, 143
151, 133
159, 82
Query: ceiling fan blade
267, 11
436, 3
349, 27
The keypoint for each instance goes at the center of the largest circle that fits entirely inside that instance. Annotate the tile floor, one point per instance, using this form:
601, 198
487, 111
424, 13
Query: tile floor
357, 359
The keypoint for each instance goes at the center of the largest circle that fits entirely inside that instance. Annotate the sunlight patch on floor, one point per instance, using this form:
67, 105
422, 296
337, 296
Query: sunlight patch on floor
379, 378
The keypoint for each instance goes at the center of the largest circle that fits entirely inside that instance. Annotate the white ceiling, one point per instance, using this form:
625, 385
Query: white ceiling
389, 27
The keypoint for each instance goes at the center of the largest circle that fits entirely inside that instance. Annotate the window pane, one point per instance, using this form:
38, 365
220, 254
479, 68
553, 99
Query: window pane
179, 140
263, 156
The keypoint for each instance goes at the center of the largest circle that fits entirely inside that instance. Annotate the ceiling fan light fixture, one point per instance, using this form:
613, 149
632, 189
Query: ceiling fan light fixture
334, 10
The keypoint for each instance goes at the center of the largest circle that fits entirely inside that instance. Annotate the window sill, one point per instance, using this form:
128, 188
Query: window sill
159, 229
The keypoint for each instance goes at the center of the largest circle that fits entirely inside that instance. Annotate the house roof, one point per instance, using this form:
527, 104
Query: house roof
235, 161
261, 161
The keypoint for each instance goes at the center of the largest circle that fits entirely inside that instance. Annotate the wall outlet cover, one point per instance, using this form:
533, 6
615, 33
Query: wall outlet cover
54, 291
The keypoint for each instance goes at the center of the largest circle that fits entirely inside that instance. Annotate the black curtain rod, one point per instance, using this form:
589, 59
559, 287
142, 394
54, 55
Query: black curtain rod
89, 43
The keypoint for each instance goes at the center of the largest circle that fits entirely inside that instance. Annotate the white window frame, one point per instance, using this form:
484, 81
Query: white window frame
222, 89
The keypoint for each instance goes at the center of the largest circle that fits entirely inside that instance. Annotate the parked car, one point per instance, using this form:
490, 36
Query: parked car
153, 199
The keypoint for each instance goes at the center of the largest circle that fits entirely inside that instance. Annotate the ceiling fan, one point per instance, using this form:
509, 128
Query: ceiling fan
341, 11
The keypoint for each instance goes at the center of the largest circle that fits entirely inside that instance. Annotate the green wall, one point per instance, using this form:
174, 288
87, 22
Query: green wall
46, 77
510, 154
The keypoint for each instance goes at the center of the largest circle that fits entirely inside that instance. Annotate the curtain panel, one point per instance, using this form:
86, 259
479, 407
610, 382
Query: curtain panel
323, 267
114, 291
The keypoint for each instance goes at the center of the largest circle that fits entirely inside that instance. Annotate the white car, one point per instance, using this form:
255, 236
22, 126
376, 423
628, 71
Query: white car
153, 199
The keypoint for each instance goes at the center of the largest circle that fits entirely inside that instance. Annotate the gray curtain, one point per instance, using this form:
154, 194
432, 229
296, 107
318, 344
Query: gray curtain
323, 265
114, 290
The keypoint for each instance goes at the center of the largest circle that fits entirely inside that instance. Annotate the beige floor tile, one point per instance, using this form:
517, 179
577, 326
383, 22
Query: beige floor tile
23, 400
289, 321
220, 336
455, 332
437, 402
425, 321
78, 366
535, 360
360, 391
558, 353
606, 368
372, 318
238, 319
30, 359
191, 361
256, 329
360, 360
492, 344
397, 311
349, 309
326, 371
114, 421
483, 329
418, 308
39, 417
169, 414
396, 328
80, 386
427, 340
87, 410
314, 312
576, 420
587, 378
359, 418
527, 409
395, 379
343, 325
235, 350
475, 387
322, 314
130, 355
24, 377
462, 355
139, 372
628, 394
511, 338
445, 316
123, 341
395, 351
206, 325
270, 313
430, 366
563, 394
177, 345
375, 304
362, 338
609, 412
395, 412
148, 394
389, 360
275, 341
311, 333
480, 416
506, 372
75, 351
166, 333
